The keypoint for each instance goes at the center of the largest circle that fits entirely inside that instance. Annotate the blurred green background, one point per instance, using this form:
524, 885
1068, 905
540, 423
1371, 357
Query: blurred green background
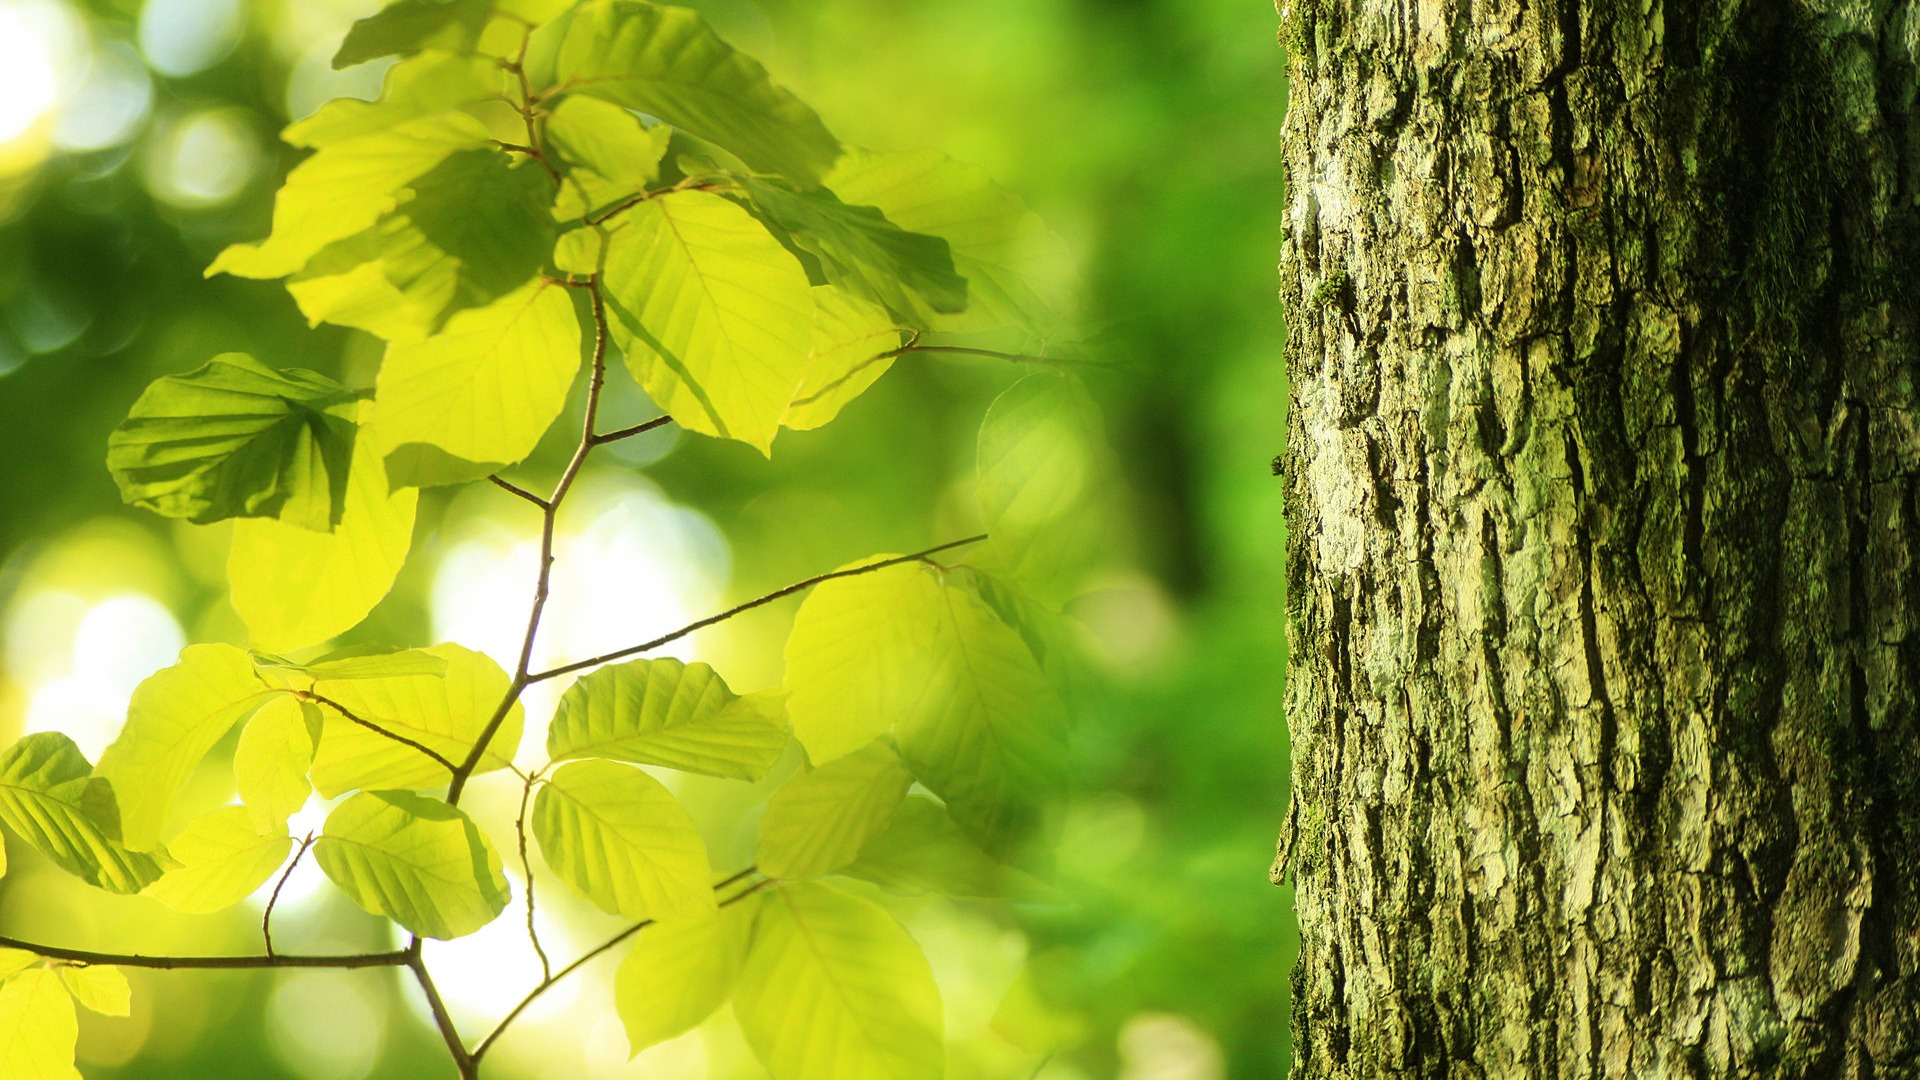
137, 139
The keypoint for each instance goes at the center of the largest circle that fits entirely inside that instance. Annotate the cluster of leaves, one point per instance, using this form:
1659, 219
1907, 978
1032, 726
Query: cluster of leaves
539, 189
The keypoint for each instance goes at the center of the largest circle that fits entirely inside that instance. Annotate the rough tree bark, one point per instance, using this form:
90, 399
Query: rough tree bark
1604, 505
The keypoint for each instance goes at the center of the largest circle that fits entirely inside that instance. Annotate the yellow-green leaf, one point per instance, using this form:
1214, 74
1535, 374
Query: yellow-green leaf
923, 851
482, 391
415, 88
415, 860
853, 345
679, 973
445, 713
849, 657
820, 820
50, 798
176, 717
1045, 483
664, 712
620, 839
473, 229
222, 860
860, 250
361, 662
604, 152
100, 987
714, 315
14, 960
834, 989
294, 587
270, 764
38, 1027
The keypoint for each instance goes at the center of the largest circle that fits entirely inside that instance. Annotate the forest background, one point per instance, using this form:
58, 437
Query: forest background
137, 140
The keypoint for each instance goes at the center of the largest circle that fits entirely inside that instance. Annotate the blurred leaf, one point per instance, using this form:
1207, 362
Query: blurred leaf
664, 712
667, 62
714, 316
861, 251
475, 229
679, 973
852, 653
923, 851
853, 343
415, 88
619, 838
235, 438
100, 987
177, 715
46, 792
834, 989
445, 712
37, 1027
605, 153
222, 859
411, 25
1045, 482
819, 821
415, 860
1026, 1020
270, 765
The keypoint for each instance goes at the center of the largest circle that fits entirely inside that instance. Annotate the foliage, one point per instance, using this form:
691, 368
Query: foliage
534, 192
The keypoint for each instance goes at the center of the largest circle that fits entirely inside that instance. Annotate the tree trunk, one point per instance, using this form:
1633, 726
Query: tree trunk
1604, 510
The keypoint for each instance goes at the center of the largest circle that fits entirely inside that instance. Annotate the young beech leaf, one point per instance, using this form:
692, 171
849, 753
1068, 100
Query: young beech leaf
478, 396
819, 821
346, 284
14, 960
444, 712
50, 799
235, 438
861, 251
222, 860
177, 715
923, 851
851, 656
294, 587
620, 839
834, 989
415, 88
714, 316
667, 62
362, 662
3, 855
102, 988
664, 712
474, 229
679, 973
604, 152
270, 765
38, 1027
415, 860
853, 345
1045, 482
411, 25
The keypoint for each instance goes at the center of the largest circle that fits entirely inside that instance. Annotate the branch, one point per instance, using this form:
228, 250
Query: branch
308, 695
442, 1019
688, 184
266, 921
520, 491
648, 646
630, 432
526, 866
1012, 358
208, 963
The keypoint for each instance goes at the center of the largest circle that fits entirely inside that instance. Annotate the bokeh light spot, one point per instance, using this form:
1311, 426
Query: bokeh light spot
181, 37
111, 103
202, 160
40, 43
327, 1025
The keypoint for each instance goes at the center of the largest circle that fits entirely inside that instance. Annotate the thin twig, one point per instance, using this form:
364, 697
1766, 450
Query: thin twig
994, 354
526, 866
440, 759
687, 184
648, 646
208, 963
266, 920
515, 489
630, 432
442, 1019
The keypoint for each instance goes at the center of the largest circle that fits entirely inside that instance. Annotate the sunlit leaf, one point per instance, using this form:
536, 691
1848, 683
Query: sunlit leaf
922, 851
679, 973
619, 838
861, 251
271, 762
362, 662
176, 717
664, 712
415, 88
605, 153
714, 316
853, 345
482, 392
235, 438
100, 987
50, 799
445, 712
667, 62
1045, 483
12, 960
415, 860
834, 989
847, 657
474, 229
819, 821
37, 1027
346, 284
222, 859
411, 25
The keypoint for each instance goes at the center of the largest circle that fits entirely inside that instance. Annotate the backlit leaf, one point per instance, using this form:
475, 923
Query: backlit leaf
415, 860
13, 960
474, 229
680, 972
820, 820
235, 438
848, 678
445, 712
271, 762
222, 860
605, 153
415, 88
100, 987
853, 345
361, 662
1045, 477
50, 799
922, 851
861, 251
411, 25
714, 316
37, 1027
619, 838
664, 712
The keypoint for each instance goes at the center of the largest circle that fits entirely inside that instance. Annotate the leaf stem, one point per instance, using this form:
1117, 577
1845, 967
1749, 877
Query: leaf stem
266, 920
209, 963
526, 867
630, 432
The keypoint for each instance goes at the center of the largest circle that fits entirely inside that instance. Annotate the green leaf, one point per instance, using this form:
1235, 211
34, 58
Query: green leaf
620, 839
861, 251
1029, 1022
853, 345
16, 960
346, 284
714, 316
50, 799
38, 1027
415, 860
667, 62
270, 765
445, 712
411, 25
345, 187
1045, 477
821, 819
100, 987
605, 153
415, 88
362, 662
475, 229
222, 860
294, 587
664, 712
834, 989
1016, 270
847, 656
235, 438
923, 851
679, 973
177, 715
482, 392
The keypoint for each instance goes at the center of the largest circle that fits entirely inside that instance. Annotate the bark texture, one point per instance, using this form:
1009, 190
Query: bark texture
1604, 507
